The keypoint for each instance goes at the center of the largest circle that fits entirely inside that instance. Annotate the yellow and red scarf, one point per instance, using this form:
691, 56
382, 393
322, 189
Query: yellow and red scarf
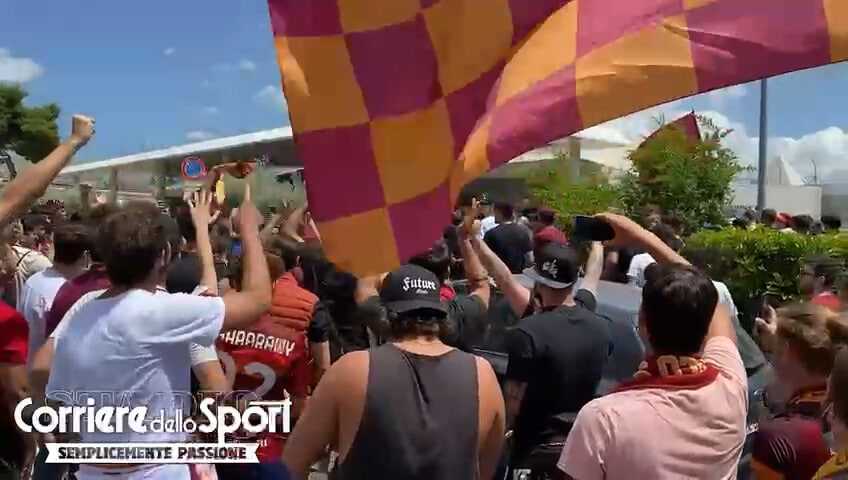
807, 401
672, 373
835, 468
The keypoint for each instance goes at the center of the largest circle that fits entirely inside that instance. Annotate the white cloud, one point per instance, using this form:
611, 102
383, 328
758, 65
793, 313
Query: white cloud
169, 51
247, 66
827, 149
199, 135
17, 69
210, 110
719, 98
270, 95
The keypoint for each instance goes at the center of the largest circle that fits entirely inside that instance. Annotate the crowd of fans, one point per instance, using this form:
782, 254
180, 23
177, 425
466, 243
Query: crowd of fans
385, 373
804, 224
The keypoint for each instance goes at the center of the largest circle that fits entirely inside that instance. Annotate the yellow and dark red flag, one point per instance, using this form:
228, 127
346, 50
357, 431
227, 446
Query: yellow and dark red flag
684, 132
396, 104
687, 125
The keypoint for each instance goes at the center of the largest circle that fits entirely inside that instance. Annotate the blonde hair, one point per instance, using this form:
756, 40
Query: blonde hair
814, 332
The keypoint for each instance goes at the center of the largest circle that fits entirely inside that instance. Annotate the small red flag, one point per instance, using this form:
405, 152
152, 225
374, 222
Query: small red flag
688, 124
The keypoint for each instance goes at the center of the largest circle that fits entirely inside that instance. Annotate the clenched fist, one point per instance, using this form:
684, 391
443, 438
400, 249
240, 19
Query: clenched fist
82, 128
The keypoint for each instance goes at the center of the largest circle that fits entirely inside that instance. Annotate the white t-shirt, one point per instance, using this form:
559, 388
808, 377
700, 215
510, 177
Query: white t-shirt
636, 271
29, 262
36, 299
198, 353
135, 345
487, 224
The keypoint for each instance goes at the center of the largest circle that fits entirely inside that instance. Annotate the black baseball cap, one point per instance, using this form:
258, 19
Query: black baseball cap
410, 288
557, 266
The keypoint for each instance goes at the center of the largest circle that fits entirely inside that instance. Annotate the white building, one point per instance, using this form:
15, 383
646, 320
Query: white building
786, 190
136, 172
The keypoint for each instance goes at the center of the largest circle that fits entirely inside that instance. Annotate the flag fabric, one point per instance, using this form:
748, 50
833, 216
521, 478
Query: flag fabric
689, 136
396, 104
687, 124
240, 169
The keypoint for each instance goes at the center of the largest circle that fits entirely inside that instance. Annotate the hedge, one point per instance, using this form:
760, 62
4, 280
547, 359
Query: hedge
759, 262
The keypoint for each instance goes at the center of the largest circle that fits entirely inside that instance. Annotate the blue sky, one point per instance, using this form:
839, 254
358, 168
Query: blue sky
150, 72
160, 73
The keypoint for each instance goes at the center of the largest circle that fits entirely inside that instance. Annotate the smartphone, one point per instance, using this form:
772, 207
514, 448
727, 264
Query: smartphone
235, 248
592, 228
767, 301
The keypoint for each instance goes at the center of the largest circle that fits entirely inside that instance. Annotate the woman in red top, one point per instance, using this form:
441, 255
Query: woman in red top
16, 454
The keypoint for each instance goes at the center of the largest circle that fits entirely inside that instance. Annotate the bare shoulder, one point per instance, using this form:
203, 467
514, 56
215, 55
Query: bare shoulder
485, 373
352, 361
349, 369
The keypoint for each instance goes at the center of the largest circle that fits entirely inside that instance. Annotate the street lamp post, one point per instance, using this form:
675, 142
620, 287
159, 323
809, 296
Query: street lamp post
763, 141
815, 172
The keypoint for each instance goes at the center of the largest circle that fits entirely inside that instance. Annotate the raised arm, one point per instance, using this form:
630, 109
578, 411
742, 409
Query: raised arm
200, 205
31, 184
628, 232
246, 306
272, 223
293, 222
594, 268
517, 296
478, 280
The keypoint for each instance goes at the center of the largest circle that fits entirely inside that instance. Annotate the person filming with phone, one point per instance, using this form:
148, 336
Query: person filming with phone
557, 354
683, 415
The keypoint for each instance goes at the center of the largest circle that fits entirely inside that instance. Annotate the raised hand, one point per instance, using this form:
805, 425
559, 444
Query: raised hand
249, 217
200, 208
767, 327
470, 226
82, 129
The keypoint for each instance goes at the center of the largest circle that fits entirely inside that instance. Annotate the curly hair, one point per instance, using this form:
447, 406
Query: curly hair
418, 323
130, 242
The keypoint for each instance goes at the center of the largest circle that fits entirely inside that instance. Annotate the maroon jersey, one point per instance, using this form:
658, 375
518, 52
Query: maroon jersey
271, 361
792, 446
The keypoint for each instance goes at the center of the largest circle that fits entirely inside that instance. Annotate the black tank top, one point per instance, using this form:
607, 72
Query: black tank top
420, 418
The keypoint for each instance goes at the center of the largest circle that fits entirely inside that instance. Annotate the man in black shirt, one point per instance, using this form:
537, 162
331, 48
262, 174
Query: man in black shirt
556, 360
511, 242
467, 320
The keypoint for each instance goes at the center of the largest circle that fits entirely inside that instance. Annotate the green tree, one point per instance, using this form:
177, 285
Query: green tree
550, 184
687, 177
30, 132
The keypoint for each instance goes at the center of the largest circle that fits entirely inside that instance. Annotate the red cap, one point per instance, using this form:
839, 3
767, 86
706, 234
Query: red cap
549, 234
